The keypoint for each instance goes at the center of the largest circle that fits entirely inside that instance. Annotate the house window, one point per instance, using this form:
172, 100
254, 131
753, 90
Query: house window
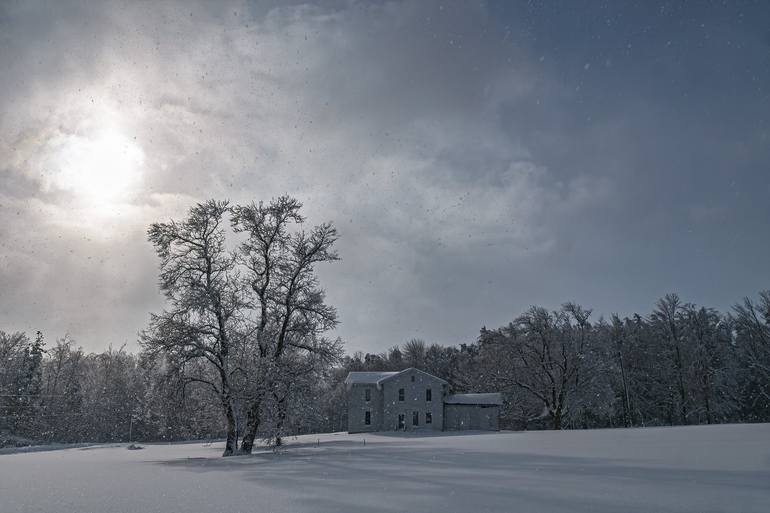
401, 394
428, 418
412, 378
428, 395
368, 418
415, 418
368, 395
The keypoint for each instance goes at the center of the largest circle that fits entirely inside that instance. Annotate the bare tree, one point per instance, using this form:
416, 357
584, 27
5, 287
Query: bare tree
581, 334
618, 344
668, 319
290, 310
752, 337
543, 359
708, 336
201, 283
414, 352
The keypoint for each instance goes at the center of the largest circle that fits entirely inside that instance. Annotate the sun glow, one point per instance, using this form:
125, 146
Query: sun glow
101, 168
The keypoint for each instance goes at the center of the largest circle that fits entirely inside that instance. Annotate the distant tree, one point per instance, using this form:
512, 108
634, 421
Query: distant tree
395, 358
377, 362
541, 356
14, 349
751, 320
64, 382
712, 379
171, 407
414, 353
668, 319
618, 354
576, 326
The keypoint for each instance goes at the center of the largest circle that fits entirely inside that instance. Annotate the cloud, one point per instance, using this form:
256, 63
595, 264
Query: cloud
380, 117
467, 174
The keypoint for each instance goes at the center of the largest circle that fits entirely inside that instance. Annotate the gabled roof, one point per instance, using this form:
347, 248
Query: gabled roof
484, 399
394, 374
377, 378
367, 378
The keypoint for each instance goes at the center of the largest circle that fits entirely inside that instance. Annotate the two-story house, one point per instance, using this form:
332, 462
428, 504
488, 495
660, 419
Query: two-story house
413, 400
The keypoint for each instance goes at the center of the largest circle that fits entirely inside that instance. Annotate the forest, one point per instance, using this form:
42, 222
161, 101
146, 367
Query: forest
680, 364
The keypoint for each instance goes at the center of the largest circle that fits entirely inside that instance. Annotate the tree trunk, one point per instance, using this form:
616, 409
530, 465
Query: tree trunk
626, 398
280, 421
252, 426
671, 408
557, 418
682, 391
231, 445
707, 396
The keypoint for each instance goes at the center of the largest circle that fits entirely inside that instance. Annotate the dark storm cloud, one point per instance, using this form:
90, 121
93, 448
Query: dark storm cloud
477, 158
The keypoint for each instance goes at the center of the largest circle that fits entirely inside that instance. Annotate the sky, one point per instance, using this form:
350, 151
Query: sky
476, 157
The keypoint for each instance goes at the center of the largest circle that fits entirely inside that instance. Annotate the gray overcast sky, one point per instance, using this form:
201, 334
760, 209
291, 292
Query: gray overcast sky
477, 157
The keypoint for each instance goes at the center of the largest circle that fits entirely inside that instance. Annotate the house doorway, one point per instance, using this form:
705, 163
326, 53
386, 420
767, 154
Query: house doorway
401, 422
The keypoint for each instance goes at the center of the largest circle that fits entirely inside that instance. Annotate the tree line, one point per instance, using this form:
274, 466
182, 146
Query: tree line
241, 352
680, 364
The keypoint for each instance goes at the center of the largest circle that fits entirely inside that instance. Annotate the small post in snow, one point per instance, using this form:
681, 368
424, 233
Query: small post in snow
364, 441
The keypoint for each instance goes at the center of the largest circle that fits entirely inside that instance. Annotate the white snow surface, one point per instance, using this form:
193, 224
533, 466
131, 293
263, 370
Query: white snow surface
685, 469
367, 378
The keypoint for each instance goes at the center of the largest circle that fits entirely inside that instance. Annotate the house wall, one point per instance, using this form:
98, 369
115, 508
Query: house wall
358, 406
471, 417
414, 400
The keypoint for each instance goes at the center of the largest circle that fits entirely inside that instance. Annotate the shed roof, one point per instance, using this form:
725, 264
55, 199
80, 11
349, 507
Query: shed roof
494, 398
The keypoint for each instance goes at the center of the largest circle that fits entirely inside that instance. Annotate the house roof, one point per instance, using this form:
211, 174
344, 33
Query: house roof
377, 378
485, 399
394, 374
367, 378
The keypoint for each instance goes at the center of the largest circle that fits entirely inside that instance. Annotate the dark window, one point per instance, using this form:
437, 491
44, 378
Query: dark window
368, 418
412, 378
400, 394
368, 394
428, 395
428, 418
415, 418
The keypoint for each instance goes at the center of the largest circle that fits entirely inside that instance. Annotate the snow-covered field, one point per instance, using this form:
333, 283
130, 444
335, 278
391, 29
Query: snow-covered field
694, 469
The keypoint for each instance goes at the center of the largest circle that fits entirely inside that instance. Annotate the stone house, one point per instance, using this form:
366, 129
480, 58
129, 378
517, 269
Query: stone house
413, 400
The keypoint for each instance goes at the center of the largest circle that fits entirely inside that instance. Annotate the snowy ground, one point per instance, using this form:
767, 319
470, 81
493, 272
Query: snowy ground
694, 469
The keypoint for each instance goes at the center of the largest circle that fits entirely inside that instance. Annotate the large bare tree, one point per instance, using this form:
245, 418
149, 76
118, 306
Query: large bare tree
199, 277
256, 314
291, 314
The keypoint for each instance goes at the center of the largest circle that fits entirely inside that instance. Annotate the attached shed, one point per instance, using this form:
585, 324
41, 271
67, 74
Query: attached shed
472, 412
